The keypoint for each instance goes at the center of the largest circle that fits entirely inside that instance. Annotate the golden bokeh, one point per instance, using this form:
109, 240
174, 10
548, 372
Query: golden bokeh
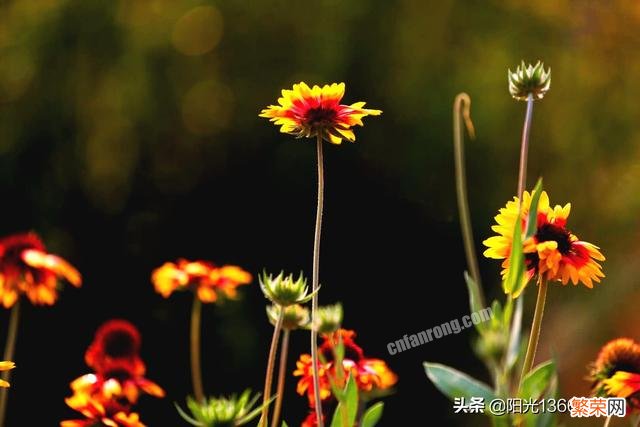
198, 31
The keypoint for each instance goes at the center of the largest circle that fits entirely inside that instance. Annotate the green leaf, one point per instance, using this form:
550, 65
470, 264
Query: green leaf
348, 403
513, 349
284, 424
474, 299
453, 383
515, 273
536, 382
372, 415
532, 221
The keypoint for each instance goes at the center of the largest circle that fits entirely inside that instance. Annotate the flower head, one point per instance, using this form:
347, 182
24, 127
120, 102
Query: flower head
371, 375
329, 318
209, 281
553, 252
115, 348
284, 290
27, 268
529, 80
616, 371
97, 415
308, 112
6, 366
222, 411
295, 316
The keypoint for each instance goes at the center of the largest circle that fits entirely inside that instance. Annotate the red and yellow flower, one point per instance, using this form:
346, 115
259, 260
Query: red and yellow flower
308, 112
616, 371
26, 268
115, 347
97, 414
209, 281
370, 374
553, 252
6, 366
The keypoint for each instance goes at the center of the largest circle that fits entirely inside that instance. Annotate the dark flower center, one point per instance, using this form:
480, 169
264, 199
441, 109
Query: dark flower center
550, 232
320, 116
119, 344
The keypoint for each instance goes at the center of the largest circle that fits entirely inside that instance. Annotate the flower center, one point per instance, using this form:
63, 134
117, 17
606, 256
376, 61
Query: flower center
320, 117
550, 232
119, 344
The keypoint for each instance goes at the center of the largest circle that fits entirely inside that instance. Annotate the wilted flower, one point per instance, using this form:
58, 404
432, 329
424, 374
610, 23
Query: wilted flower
295, 316
308, 112
284, 290
616, 371
27, 268
371, 375
529, 80
222, 411
553, 252
329, 318
209, 281
6, 366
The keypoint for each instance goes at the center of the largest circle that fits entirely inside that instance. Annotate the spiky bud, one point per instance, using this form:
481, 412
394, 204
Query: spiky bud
529, 80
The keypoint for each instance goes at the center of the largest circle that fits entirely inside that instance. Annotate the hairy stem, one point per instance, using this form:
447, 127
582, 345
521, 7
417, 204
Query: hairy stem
282, 374
536, 326
461, 107
268, 380
9, 352
315, 284
196, 368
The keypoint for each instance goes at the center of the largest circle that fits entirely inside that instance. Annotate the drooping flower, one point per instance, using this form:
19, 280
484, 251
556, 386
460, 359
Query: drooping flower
616, 371
553, 252
209, 281
26, 268
6, 366
308, 112
370, 374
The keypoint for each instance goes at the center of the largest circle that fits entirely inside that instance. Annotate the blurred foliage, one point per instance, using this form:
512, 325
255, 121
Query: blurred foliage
118, 99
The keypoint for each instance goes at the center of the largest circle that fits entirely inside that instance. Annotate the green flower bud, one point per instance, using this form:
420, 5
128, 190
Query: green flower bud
295, 316
285, 291
529, 80
329, 318
221, 411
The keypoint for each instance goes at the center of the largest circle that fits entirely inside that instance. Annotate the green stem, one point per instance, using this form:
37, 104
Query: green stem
196, 368
524, 147
9, 351
270, 365
536, 326
282, 373
461, 107
315, 284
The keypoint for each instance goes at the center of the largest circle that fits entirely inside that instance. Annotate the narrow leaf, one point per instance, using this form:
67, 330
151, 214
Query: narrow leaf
372, 415
474, 298
453, 383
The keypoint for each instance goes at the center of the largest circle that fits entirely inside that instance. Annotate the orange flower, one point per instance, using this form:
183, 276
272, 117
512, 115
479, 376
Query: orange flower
97, 415
26, 268
6, 366
308, 112
370, 374
616, 371
553, 252
206, 279
312, 420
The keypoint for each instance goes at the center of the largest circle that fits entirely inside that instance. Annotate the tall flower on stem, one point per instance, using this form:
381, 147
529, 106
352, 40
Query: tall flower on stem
27, 269
308, 112
616, 371
209, 283
552, 253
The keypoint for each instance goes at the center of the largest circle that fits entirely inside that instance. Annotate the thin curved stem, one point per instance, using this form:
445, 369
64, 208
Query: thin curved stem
461, 107
9, 352
524, 147
196, 368
268, 380
282, 373
536, 326
315, 284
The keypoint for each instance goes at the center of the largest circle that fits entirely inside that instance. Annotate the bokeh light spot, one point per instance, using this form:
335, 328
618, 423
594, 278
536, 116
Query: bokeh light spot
198, 31
207, 107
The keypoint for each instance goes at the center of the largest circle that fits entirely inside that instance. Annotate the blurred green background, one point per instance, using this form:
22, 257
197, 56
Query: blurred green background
129, 135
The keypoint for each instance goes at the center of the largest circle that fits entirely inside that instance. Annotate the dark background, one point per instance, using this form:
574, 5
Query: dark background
129, 136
